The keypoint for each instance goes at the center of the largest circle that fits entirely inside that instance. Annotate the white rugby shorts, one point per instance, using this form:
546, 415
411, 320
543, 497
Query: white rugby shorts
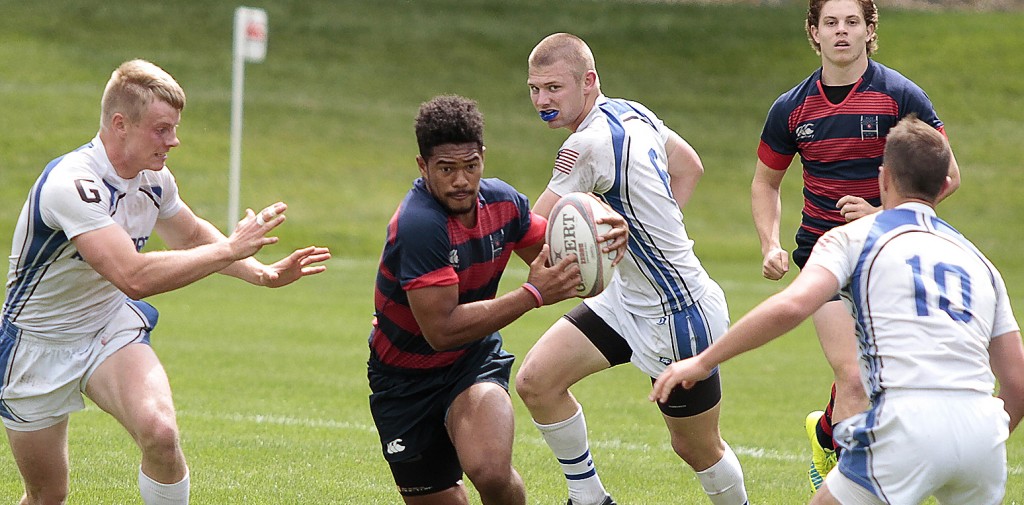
44, 376
657, 342
919, 443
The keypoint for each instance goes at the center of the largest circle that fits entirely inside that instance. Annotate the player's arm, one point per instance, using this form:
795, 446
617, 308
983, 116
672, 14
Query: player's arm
185, 230
684, 168
530, 253
111, 252
535, 235
545, 203
447, 324
1006, 355
766, 207
772, 318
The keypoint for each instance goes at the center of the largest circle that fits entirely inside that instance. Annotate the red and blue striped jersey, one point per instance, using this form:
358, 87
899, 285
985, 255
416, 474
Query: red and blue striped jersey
840, 145
428, 247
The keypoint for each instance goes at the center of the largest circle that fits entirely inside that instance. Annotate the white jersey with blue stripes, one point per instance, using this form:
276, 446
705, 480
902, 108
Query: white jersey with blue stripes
51, 290
925, 300
618, 152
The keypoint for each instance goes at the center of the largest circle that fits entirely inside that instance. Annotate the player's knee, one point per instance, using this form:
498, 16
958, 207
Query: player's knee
530, 387
46, 495
158, 437
699, 454
491, 479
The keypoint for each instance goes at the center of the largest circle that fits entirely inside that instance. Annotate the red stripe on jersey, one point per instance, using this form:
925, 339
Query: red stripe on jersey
386, 272
538, 227
444, 276
834, 189
497, 215
565, 160
481, 274
397, 313
393, 226
814, 230
772, 159
393, 356
832, 150
823, 214
866, 102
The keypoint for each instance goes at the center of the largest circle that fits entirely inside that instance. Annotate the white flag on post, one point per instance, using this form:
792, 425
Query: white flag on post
251, 28
250, 44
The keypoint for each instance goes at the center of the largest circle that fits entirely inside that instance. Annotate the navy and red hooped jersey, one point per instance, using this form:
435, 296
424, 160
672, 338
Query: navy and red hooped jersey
840, 145
428, 247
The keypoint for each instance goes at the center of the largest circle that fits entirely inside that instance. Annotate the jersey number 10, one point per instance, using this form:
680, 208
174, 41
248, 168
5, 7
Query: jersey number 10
939, 276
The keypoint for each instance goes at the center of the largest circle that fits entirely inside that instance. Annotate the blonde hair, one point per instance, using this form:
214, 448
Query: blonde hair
564, 47
133, 86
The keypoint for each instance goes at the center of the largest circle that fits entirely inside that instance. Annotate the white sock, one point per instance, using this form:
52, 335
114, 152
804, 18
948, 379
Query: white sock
155, 493
568, 441
723, 481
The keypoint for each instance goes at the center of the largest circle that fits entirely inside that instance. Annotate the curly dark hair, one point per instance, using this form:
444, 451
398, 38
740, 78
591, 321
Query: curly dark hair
448, 119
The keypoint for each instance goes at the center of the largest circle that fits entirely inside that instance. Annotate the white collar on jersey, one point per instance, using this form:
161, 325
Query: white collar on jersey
919, 207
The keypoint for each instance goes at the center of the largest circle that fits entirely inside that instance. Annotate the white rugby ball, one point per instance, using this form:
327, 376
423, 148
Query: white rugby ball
572, 230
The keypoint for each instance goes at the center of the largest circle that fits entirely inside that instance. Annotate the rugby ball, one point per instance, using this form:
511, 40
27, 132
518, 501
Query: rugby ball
572, 229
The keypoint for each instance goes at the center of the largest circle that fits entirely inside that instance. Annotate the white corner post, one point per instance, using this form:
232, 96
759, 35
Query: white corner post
250, 44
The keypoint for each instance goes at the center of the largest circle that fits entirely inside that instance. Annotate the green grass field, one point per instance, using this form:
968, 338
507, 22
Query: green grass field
270, 385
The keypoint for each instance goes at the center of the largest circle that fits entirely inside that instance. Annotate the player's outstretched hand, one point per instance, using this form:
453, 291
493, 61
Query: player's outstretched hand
557, 282
295, 266
616, 239
686, 373
250, 233
854, 207
776, 264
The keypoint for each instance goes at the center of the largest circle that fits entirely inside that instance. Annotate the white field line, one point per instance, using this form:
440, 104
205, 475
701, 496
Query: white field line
613, 444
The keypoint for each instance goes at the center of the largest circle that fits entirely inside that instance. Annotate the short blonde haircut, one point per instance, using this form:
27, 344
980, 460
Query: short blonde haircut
564, 47
133, 86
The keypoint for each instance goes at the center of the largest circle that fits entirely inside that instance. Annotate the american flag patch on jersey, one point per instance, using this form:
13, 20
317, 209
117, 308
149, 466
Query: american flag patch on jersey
565, 160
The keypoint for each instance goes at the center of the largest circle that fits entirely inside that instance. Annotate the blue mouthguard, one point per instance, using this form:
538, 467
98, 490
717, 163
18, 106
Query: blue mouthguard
548, 115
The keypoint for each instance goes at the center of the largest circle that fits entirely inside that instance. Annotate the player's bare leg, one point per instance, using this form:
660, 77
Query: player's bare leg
42, 459
481, 425
835, 329
697, 441
132, 386
823, 497
559, 359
